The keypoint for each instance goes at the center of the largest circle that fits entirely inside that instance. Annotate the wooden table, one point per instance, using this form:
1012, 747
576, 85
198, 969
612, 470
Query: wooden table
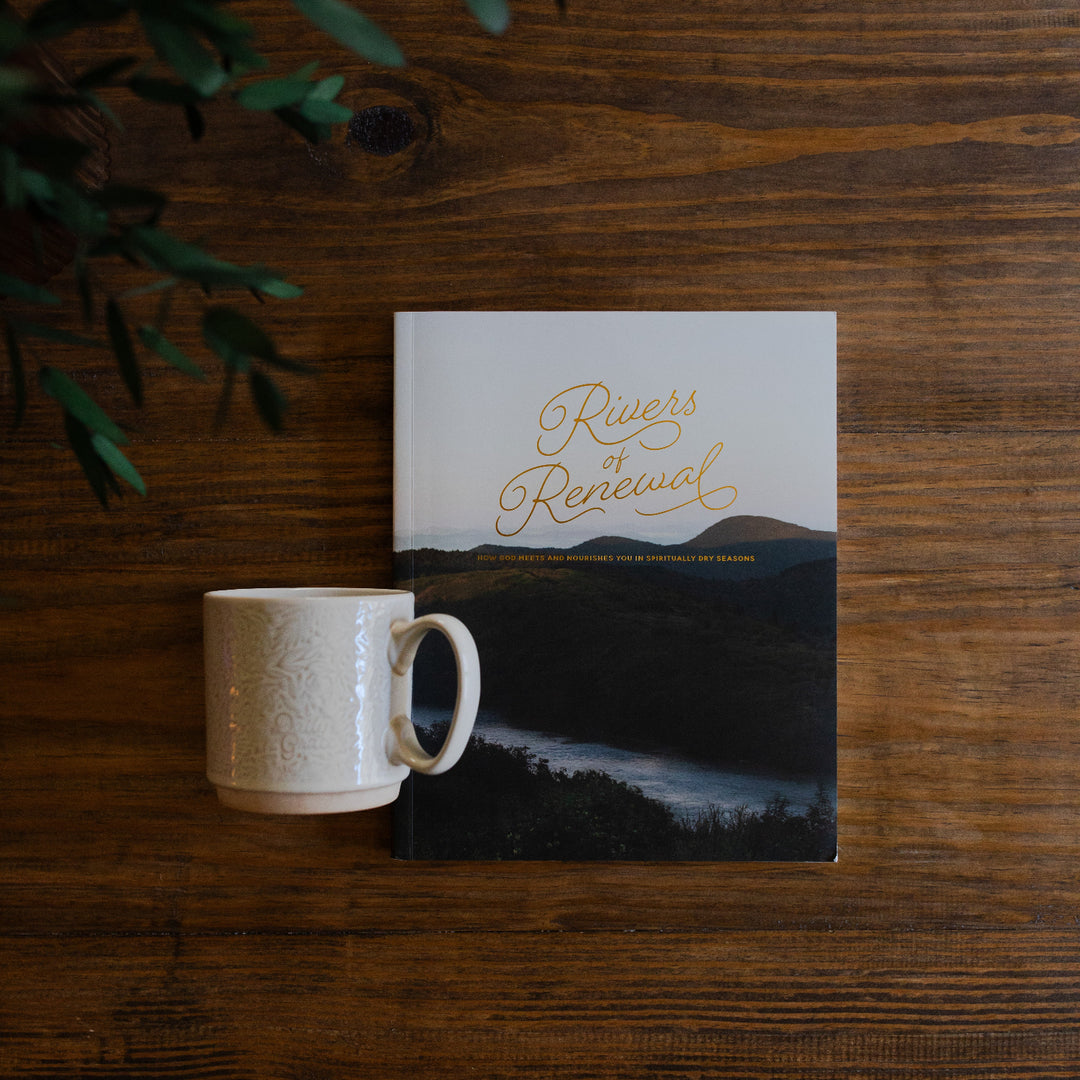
913, 166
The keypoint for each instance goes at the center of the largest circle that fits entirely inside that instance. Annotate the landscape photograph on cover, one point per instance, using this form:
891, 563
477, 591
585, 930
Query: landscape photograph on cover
635, 516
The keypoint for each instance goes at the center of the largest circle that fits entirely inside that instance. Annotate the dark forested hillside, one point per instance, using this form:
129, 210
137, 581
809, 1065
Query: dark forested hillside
647, 659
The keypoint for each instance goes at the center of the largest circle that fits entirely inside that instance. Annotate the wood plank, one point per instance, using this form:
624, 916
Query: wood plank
956, 667
940, 224
912, 166
580, 1005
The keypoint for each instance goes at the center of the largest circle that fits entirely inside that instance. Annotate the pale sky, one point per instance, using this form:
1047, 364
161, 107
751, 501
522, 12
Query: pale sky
491, 465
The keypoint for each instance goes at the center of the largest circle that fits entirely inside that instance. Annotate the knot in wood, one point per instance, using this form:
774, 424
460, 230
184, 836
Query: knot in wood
381, 129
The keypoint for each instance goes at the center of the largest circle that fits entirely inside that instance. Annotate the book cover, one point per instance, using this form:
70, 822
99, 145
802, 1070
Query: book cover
635, 515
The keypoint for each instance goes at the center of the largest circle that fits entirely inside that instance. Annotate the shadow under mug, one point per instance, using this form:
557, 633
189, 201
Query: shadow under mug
309, 692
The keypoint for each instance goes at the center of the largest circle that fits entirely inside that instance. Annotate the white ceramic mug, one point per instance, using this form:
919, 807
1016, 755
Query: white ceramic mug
308, 695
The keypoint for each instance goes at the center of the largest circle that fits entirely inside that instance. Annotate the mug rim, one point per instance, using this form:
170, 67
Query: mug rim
301, 592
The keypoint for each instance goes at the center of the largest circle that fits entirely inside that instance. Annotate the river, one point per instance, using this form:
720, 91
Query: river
685, 785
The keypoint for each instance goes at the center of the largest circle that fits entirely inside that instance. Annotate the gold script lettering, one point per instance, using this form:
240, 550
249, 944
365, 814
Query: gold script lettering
689, 476
548, 486
588, 406
517, 494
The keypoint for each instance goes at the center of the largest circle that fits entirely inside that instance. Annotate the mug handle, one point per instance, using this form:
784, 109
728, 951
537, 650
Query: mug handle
403, 747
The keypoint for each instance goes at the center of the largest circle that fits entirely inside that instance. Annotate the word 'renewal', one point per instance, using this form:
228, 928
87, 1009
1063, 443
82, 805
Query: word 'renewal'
587, 410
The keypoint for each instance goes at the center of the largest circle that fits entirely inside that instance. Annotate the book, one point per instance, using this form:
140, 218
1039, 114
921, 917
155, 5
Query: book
635, 515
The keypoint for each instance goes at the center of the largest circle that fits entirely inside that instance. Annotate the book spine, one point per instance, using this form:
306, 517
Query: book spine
401, 844
404, 322
401, 839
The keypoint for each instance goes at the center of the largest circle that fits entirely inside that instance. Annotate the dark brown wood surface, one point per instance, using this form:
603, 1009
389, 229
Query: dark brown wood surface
914, 167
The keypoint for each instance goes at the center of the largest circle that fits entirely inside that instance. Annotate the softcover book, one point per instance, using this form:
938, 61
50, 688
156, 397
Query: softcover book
635, 515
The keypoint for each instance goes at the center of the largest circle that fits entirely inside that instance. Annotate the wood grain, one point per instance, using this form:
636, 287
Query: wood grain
913, 167
512, 1005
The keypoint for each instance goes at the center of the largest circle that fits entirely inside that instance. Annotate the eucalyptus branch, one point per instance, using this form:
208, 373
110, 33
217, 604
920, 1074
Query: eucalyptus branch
197, 51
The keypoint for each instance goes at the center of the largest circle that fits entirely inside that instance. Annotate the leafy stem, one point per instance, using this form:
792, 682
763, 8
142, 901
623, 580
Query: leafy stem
196, 51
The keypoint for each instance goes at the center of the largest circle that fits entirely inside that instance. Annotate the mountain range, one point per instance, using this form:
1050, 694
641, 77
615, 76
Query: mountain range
748, 528
737, 529
748, 546
722, 647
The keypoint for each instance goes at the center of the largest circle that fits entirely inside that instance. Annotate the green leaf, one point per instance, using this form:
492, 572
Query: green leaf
65, 203
15, 84
97, 473
314, 133
86, 289
353, 30
123, 350
239, 60
215, 18
235, 338
17, 289
196, 125
165, 252
18, 372
269, 400
228, 34
324, 112
11, 179
54, 333
158, 343
72, 208
269, 94
492, 15
261, 280
37, 185
110, 453
327, 89
78, 403
12, 34
148, 288
296, 90
184, 53
235, 360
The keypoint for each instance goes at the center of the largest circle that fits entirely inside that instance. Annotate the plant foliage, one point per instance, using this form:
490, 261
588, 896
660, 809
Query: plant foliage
196, 51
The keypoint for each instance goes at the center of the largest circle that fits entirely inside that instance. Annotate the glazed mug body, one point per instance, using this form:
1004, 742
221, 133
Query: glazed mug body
308, 697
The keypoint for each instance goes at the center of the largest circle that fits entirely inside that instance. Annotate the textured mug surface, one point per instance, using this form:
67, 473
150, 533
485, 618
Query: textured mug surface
301, 692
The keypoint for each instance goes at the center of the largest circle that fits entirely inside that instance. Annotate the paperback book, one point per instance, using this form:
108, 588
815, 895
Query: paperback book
634, 513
